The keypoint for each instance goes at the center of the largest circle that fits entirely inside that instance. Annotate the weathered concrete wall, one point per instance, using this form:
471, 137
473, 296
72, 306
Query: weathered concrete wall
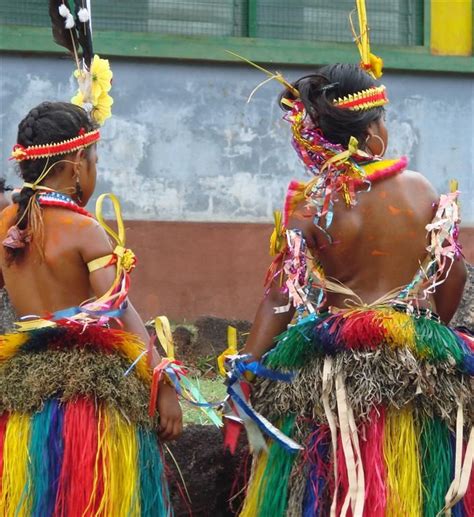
184, 145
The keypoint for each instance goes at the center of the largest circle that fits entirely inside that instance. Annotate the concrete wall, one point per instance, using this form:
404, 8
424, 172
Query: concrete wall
184, 145
187, 156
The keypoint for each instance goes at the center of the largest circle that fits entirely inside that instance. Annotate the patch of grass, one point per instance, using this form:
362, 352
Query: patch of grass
213, 390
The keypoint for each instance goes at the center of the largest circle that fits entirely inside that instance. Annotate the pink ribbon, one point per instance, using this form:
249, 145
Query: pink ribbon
16, 238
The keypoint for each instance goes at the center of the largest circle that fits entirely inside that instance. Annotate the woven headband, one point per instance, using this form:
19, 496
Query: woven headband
34, 152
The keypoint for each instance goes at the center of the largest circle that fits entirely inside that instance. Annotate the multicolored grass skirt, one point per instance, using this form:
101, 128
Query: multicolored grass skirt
382, 402
75, 436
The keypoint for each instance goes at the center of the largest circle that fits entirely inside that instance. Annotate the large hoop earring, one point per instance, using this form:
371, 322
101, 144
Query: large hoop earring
381, 141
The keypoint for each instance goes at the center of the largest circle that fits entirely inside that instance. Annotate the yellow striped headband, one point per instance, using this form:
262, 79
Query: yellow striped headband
364, 100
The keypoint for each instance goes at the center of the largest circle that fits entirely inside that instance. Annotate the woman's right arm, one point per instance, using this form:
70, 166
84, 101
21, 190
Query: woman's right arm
94, 243
267, 324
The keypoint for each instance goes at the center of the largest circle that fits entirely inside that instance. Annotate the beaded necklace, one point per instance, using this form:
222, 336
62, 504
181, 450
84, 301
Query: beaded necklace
60, 200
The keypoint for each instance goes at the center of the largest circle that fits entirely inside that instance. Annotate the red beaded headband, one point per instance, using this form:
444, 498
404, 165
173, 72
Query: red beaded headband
34, 152
366, 99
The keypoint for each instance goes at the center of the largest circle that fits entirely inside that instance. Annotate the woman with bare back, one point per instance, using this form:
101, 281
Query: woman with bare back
362, 387
76, 436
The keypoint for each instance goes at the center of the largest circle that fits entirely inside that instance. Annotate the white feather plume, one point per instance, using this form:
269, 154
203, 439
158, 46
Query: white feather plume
69, 24
63, 11
83, 15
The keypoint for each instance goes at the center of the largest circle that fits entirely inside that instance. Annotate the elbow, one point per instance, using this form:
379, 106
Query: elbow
277, 297
463, 274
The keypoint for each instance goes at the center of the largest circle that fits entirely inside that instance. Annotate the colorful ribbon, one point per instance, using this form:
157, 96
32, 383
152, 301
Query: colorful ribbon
254, 423
277, 239
176, 374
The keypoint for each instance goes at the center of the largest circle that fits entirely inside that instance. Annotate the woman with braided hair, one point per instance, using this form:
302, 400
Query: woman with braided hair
364, 392
76, 435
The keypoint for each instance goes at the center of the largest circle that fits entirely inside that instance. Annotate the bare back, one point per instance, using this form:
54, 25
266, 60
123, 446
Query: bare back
39, 285
379, 243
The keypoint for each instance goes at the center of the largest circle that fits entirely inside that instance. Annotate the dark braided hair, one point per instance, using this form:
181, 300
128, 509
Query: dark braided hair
319, 90
49, 122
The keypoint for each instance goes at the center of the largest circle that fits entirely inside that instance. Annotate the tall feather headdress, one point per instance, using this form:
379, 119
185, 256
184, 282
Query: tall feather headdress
73, 31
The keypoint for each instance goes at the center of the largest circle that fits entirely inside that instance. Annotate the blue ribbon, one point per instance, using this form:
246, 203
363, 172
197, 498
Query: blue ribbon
74, 311
255, 367
240, 365
263, 424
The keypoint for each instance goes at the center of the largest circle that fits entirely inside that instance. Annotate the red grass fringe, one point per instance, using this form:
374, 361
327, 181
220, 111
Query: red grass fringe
3, 428
371, 445
76, 481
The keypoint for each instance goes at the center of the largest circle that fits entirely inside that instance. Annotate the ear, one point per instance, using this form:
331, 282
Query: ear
372, 129
79, 162
80, 156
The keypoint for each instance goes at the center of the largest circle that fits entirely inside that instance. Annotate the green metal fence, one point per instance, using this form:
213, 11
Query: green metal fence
392, 22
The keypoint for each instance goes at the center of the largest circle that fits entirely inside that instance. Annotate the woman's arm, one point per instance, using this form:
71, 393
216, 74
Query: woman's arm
94, 243
267, 324
448, 295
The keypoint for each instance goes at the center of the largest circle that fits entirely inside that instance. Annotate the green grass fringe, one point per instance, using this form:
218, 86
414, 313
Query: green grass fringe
294, 347
274, 498
436, 463
436, 341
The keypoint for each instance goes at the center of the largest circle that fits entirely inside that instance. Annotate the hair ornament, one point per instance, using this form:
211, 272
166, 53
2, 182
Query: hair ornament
16, 238
93, 74
277, 76
371, 63
34, 152
83, 15
63, 10
68, 17
363, 100
328, 87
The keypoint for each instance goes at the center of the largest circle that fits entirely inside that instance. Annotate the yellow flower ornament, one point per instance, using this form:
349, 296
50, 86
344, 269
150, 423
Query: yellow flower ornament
101, 73
102, 109
94, 86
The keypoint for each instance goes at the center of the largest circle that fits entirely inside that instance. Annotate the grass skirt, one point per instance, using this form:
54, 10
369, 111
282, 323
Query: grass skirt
75, 435
379, 401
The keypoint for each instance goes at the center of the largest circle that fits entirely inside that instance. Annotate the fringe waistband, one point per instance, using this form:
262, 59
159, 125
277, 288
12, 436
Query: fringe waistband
370, 330
71, 361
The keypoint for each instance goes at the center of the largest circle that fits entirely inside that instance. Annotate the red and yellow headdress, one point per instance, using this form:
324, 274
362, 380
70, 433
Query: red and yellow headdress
363, 100
34, 152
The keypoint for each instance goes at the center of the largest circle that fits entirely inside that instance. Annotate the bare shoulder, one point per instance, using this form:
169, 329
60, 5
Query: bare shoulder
416, 180
302, 219
93, 240
84, 233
